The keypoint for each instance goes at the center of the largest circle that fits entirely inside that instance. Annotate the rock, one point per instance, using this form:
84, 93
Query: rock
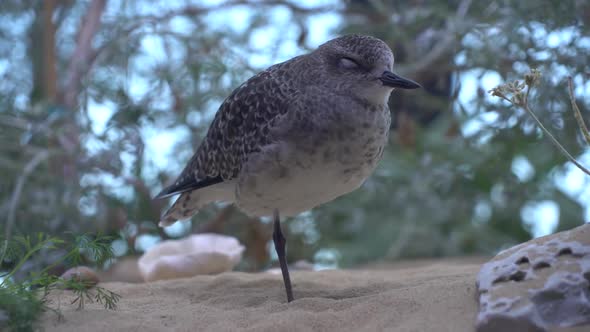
123, 270
538, 285
194, 255
83, 274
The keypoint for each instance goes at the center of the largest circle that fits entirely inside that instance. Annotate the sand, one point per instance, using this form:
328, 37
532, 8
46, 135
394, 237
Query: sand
419, 296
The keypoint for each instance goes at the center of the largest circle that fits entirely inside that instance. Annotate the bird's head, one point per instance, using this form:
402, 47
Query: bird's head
362, 66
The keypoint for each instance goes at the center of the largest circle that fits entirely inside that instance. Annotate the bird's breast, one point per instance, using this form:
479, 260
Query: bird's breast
327, 158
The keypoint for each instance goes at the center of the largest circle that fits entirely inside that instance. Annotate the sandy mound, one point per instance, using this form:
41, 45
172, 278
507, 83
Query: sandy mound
424, 296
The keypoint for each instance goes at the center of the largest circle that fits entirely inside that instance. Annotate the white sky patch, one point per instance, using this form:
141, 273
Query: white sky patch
582, 87
470, 82
304, 224
326, 259
153, 46
137, 86
522, 168
146, 241
318, 3
181, 25
322, 28
100, 114
120, 247
575, 183
178, 229
4, 65
482, 212
474, 125
159, 144
237, 18
562, 37
112, 185
542, 216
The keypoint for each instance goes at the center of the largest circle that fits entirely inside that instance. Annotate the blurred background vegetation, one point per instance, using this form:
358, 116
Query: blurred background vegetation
102, 102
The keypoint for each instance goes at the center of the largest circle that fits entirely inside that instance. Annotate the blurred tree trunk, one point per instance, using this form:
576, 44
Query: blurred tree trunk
48, 44
42, 53
58, 94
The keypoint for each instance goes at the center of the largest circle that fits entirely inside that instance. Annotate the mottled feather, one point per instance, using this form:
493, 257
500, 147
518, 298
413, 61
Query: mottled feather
241, 127
286, 113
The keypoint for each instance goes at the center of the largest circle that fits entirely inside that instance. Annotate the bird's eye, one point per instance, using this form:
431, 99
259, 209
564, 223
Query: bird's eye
348, 63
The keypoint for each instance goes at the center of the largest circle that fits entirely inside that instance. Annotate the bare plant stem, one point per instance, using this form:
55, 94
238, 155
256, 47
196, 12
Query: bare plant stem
525, 105
577, 113
555, 141
515, 90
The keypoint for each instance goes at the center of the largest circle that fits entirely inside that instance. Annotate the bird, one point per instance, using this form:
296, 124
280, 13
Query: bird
294, 136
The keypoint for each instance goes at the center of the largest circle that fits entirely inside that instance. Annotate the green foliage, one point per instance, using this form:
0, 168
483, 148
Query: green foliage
23, 301
446, 185
19, 308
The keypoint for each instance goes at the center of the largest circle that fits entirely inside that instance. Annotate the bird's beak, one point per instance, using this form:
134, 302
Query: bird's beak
395, 81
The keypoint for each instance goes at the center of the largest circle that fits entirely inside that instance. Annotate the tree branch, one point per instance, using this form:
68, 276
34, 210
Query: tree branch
16, 194
190, 10
83, 54
448, 41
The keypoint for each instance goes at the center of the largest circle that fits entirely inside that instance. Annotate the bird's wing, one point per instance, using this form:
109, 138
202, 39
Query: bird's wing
187, 182
240, 127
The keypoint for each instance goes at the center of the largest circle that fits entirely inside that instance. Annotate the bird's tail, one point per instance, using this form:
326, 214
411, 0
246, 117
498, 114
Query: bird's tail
190, 202
183, 208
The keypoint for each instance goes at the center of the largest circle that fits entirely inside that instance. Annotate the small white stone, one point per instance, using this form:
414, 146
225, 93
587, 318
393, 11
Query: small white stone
195, 255
82, 274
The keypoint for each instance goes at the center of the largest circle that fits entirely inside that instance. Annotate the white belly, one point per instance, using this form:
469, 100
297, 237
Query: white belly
295, 181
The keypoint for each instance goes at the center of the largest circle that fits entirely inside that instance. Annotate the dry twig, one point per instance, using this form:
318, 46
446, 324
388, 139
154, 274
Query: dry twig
513, 93
20, 182
577, 113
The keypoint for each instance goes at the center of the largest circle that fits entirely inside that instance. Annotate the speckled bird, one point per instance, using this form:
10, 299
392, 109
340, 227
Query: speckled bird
294, 136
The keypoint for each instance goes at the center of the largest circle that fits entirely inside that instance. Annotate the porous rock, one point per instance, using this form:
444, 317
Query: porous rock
538, 285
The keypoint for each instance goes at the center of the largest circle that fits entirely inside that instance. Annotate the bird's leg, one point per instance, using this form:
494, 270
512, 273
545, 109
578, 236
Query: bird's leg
279, 241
